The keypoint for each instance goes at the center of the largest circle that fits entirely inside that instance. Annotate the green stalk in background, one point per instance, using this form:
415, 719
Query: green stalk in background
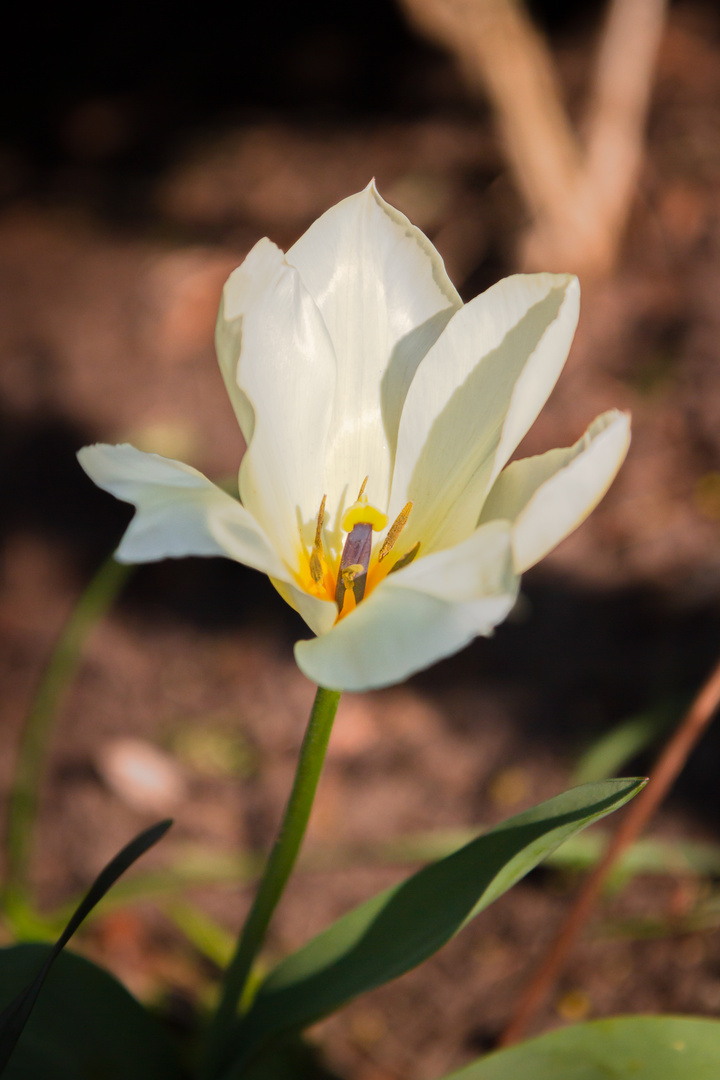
277, 871
97, 598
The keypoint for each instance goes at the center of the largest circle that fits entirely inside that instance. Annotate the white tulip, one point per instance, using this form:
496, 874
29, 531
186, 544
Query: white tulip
379, 414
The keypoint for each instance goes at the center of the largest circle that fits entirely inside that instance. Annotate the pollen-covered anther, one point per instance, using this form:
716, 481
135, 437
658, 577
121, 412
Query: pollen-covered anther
394, 531
317, 554
349, 573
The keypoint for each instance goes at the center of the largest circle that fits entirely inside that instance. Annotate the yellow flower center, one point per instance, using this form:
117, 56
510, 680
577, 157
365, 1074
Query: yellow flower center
348, 577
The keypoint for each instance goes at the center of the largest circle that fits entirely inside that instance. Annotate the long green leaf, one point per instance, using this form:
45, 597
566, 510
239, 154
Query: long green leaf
398, 929
190, 868
97, 598
290, 1059
614, 749
86, 1026
628, 1048
16, 1014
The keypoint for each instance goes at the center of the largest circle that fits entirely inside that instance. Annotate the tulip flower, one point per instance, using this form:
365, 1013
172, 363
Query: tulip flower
380, 413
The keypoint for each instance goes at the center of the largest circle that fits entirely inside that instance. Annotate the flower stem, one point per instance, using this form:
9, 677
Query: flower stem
277, 871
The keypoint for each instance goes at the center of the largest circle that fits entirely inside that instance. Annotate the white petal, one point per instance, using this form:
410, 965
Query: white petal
319, 615
429, 610
272, 340
228, 344
473, 397
383, 293
548, 496
179, 511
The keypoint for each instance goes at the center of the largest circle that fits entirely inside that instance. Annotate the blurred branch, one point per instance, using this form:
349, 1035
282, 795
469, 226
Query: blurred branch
663, 775
579, 193
620, 103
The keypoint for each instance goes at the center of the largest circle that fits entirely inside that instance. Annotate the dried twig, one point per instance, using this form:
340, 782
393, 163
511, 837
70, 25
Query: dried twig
664, 773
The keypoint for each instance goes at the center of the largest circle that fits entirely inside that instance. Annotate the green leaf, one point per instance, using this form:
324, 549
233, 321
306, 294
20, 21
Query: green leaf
35, 738
398, 929
16, 1013
209, 937
615, 748
290, 1059
85, 1025
647, 856
628, 1048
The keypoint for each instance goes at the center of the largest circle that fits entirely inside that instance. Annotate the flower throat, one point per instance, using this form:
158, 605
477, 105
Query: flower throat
359, 522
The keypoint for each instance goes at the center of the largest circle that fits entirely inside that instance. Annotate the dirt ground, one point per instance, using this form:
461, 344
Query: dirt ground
110, 273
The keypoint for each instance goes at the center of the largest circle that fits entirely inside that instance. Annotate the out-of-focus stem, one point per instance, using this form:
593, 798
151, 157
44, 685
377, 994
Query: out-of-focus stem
277, 871
578, 184
664, 773
36, 733
619, 105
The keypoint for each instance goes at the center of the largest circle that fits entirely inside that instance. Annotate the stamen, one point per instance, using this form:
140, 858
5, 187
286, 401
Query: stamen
362, 490
349, 573
394, 531
406, 559
317, 554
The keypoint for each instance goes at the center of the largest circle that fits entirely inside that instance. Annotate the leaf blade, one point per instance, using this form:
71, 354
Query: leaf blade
398, 929
641, 1047
16, 1014
85, 1024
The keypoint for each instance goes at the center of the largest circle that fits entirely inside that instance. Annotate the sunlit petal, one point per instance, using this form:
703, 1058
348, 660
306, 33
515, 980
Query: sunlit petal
383, 293
320, 615
179, 511
473, 398
547, 496
273, 337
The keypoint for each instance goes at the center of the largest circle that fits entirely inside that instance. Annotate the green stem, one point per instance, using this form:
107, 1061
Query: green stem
277, 871
35, 737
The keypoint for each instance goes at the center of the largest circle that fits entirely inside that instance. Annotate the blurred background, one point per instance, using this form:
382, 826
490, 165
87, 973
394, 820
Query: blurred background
142, 153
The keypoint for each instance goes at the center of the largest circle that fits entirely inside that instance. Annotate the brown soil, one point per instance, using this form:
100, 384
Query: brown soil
106, 333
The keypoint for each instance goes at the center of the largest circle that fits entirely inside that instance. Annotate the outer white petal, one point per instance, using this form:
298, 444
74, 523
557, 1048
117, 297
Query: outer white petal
548, 496
320, 615
272, 341
473, 398
417, 616
179, 511
228, 345
383, 293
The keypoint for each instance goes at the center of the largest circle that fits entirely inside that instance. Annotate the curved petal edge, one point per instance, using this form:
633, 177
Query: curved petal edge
546, 497
178, 510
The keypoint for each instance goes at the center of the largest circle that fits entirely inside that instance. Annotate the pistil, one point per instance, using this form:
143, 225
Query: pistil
354, 563
359, 522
